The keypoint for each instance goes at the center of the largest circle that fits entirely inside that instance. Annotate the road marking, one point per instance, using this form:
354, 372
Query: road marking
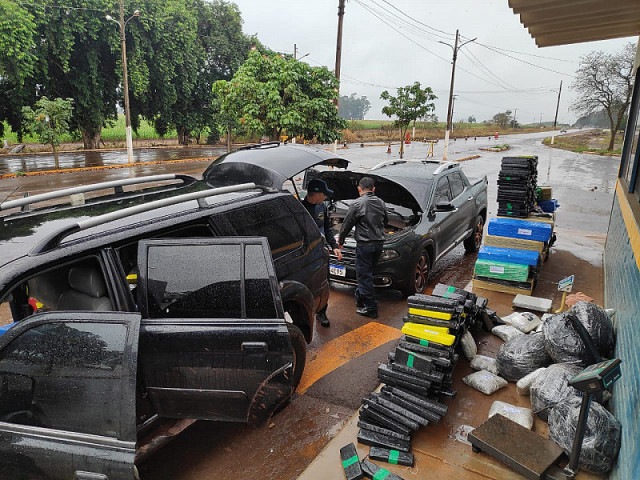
343, 349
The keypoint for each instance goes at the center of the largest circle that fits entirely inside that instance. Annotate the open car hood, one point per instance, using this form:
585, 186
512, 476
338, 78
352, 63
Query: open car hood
268, 165
345, 187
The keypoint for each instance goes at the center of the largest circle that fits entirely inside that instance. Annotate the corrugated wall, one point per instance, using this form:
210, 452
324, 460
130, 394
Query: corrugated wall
622, 292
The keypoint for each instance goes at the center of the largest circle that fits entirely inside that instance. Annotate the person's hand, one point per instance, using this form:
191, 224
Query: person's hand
337, 253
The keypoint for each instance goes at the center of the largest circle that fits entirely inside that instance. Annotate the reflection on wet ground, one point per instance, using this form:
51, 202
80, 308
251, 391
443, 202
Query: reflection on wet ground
95, 158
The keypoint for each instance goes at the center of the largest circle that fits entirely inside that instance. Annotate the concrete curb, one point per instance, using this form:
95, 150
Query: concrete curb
472, 157
103, 167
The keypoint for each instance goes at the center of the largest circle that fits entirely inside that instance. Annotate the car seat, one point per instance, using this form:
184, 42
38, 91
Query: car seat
87, 291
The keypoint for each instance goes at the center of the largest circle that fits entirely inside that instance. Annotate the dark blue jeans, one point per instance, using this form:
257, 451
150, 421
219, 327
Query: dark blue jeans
366, 260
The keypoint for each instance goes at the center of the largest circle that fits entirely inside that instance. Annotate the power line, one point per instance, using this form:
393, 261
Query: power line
450, 36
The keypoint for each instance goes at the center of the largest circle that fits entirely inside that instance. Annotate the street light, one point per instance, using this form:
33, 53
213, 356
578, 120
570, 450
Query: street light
125, 80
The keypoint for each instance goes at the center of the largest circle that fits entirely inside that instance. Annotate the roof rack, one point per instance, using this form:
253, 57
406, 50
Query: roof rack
258, 145
387, 163
115, 184
52, 241
445, 166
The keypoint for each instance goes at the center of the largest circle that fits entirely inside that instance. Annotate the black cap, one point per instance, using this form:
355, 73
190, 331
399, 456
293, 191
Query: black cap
317, 185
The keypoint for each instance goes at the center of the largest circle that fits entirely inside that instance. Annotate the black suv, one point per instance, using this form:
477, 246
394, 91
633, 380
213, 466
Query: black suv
176, 301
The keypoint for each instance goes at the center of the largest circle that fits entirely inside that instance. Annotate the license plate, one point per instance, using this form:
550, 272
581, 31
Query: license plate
337, 270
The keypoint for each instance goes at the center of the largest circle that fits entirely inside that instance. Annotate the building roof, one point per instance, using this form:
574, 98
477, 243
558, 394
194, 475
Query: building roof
561, 22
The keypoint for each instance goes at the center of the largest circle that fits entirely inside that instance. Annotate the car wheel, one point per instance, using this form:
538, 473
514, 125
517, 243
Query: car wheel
418, 282
472, 243
299, 345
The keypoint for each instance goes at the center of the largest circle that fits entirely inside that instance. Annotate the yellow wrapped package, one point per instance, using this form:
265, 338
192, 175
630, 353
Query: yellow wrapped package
429, 313
427, 332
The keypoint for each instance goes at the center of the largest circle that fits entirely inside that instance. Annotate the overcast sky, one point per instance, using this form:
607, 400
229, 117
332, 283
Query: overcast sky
391, 51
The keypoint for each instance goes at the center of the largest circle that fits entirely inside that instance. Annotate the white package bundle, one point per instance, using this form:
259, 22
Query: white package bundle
521, 415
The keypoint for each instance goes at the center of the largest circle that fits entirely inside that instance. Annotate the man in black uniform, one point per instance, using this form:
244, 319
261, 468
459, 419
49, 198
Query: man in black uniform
317, 193
368, 214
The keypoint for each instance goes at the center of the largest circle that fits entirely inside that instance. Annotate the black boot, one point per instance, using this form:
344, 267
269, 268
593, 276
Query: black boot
322, 318
367, 312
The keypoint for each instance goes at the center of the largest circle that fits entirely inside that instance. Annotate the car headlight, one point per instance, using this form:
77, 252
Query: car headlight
389, 255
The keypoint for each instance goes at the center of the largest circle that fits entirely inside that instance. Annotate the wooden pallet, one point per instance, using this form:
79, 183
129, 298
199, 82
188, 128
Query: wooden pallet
500, 287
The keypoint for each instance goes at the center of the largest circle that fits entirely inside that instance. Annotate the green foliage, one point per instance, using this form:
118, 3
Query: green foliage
502, 119
50, 120
410, 104
176, 50
271, 95
352, 107
471, 119
605, 81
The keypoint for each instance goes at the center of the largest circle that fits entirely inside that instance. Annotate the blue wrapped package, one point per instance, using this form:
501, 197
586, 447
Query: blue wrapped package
549, 206
509, 255
4, 328
522, 229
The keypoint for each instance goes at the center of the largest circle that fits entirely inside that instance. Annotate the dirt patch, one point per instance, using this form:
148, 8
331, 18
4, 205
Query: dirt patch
590, 141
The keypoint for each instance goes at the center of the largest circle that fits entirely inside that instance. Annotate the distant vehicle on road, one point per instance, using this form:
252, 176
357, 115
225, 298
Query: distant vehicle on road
563, 130
432, 208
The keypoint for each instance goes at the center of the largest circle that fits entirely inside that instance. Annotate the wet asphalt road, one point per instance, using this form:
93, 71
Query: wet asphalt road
583, 185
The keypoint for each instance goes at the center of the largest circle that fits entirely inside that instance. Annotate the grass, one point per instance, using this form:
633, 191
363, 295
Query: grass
592, 141
112, 133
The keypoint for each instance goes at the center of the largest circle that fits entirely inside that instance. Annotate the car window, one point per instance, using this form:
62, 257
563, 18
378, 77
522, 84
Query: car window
457, 184
272, 220
194, 281
259, 297
443, 191
52, 367
78, 285
205, 281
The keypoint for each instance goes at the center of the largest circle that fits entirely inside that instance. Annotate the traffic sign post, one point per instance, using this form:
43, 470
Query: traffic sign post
565, 286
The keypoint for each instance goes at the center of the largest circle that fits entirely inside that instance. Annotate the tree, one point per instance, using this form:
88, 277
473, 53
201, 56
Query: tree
411, 103
271, 94
471, 119
604, 81
49, 121
502, 119
353, 108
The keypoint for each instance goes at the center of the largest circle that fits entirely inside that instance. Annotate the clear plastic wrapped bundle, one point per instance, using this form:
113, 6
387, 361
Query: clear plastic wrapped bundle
551, 387
522, 355
601, 442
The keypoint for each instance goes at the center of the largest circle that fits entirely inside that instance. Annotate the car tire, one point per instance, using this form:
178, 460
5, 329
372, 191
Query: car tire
473, 242
418, 282
299, 345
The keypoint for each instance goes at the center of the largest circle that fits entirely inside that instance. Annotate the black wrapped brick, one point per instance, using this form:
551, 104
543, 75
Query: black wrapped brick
373, 439
436, 322
387, 371
374, 416
401, 419
351, 462
366, 425
425, 403
436, 378
446, 348
413, 360
370, 469
394, 457
399, 409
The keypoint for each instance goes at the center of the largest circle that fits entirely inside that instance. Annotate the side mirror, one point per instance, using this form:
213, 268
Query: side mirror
444, 207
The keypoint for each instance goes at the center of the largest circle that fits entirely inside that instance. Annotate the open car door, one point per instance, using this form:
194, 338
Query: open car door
214, 344
67, 396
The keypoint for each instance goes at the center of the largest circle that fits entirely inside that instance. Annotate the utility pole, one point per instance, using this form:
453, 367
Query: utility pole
339, 42
453, 74
334, 146
555, 120
541, 120
515, 115
295, 51
125, 78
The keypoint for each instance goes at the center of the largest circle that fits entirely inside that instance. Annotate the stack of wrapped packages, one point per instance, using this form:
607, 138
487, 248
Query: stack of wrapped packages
418, 376
517, 182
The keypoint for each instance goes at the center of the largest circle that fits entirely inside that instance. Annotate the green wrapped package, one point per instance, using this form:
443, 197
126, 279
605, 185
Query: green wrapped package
504, 271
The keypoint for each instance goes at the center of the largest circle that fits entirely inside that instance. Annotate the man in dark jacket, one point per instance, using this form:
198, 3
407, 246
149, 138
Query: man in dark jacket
317, 193
369, 215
